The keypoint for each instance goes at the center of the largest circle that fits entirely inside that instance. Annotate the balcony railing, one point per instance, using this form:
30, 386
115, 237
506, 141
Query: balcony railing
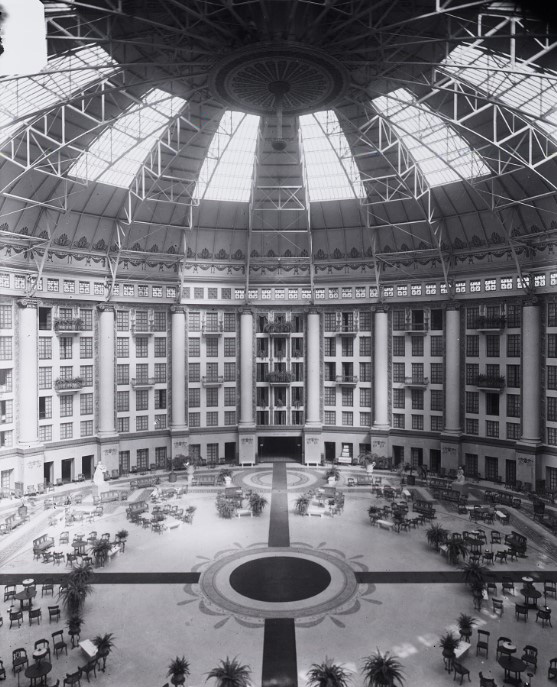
143, 329
277, 328
491, 382
212, 380
69, 325
139, 382
212, 328
347, 380
417, 382
68, 386
279, 377
484, 323
415, 327
347, 329
262, 353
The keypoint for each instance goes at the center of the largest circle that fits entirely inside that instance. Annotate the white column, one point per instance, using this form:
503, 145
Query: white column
27, 372
531, 381
106, 370
313, 363
178, 419
246, 369
452, 370
381, 370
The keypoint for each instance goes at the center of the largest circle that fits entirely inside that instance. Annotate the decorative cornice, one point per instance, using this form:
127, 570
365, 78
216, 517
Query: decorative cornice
106, 307
28, 303
178, 309
530, 300
452, 305
380, 308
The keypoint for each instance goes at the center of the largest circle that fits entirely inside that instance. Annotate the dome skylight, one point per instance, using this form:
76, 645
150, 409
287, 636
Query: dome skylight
62, 77
442, 155
332, 173
116, 155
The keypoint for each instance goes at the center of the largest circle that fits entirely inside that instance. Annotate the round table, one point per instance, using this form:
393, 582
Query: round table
38, 672
530, 592
26, 595
511, 665
509, 647
28, 582
39, 654
527, 580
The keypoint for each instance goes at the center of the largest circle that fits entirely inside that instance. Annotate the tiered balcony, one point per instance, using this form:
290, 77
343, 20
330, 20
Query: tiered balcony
212, 380
493, 383
416, 382
489, 324
347, 329
347, 380
142, 382
212, 329
68, 386
65, 327
279, 378
143, 329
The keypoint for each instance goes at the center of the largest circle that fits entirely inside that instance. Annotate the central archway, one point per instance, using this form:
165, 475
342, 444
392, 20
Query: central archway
273, 448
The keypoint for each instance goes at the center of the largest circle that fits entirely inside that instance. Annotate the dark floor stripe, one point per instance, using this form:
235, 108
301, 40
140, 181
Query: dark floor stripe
110, 578
280, 667
279, 533
448, 576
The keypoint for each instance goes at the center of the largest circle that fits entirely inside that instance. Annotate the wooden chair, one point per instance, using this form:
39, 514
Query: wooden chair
544, 614
501, 556
530, 656
459, 669
491, 588
53, 613
73, 679
64, 537
500, 650
521, 610
16, 615
483, 642
58, 643
9, 592
550, 587
19, 660
47, 586
486, 681
487, 557
41, 644
495, 537
89, 667
35, 614
2, 670
497, 606
552, 670
508, 587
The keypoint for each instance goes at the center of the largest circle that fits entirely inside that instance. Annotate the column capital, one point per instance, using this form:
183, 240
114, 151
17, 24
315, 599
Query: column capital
28, 303
178, 309
246, 311
452, 305
313, 311
380, 308
106, 307
530, 301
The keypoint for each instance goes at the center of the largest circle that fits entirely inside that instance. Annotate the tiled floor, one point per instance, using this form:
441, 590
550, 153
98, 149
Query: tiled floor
149, 596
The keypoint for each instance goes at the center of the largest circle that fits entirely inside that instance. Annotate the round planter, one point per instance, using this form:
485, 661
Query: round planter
411, 480
227, 481
332, 481
172, 477
179, 679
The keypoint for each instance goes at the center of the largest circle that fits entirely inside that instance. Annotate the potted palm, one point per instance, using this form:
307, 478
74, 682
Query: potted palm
302, 504
75, 622
328, 674
436, 535
100, 549
465, 626
474, 573
226, 477
121, 537
178, 670
230, 673
257, 503
455, 550
449, 643
332, 475
382, 670
104, 644
76, 588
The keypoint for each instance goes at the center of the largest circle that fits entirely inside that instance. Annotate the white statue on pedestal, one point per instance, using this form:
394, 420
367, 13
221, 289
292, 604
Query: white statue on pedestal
98, 479
460, 479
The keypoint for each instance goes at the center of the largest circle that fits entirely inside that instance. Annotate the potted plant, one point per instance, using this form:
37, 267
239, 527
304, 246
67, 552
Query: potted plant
257, 503
230, 673
382, 670
465, 626
226, 477
121, 537
374, 513
328, 674
449, 642
436, 535
104, 644
225, 508
178, 670
302, 504
76, 588
474, 573
332, 475
75, 622
100, 549
188, 517
455, 550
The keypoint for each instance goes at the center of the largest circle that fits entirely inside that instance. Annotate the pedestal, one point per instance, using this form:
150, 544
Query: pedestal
247, 440
312, 447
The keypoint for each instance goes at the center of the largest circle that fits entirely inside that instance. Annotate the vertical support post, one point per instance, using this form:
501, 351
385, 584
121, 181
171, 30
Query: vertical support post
106, 370
313, 363
381, 371
452, 371
531, 381
178, 417
246, 426
28, 373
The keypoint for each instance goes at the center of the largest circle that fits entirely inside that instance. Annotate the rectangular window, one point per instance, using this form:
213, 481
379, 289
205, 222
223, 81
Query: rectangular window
347, 419
472, 402
473, 345
123, 424
142, 347
417, 372
347, 347
552, 314
365, 345
141, 423
513, 345
66, 406
86, 315
365, 321
160, 421
194, 372
45, 348
472, 372
229, 395
330, 372
513, 318
141, 321
160, 373
194, 348
551, 436
229, 321
552, 377
492, 404
6, 317
365, 372
159, 321
86, 347
437, 373
472, 426
492, 345
513, 430
194, 398
194, 419
330, 346
122, 347
160, 456
229, 417
122, 401
330, 322
86, 428
66, 430
437, 401
399, 398
399, 320
212, 398
45, 433
86, 374
492, 429
330, 398
45, 407
399, 372
212, 419
122, 374
66, 347
160, 399
513, 405
398, 421
365, 398
417, 346
552, 408
330, 417
437, 344
212, 346
437, 424
417, 422
86, 404
160, 347
122, 321
347, 396
45, 378
365, 419
229, 347
66, 372
513, 376
194, 322
142, 399
399, 345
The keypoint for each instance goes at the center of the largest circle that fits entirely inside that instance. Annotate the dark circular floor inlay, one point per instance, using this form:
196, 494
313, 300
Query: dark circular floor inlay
279, 579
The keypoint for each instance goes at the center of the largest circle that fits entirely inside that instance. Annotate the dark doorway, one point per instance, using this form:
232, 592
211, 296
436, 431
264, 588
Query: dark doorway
230, 452
67, 470
510, 472
48, 472
87, 466
330, 451
398, 455
271, 448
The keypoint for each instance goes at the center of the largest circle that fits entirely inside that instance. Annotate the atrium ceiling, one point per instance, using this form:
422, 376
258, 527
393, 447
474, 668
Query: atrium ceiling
390, 133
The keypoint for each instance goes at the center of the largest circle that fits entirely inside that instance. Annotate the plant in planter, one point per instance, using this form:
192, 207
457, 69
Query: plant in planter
436, 535
225, 476
104, 644
474, 573
121, 537
257, 503
76, 588
190, 510
75, 622
100, 549
178, 670
455, 550
225, 508
449, 642
230, 673
332, 473
382, 670
302, 504
465, 625
328, 674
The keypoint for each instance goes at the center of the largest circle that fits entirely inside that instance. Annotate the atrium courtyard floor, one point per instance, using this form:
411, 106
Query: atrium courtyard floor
280, 591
